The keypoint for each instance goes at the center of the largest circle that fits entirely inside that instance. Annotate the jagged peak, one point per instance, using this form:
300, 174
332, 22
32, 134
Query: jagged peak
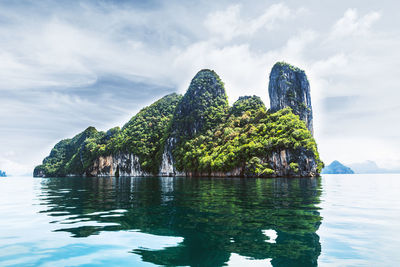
113, 131
161, 100
90, 129
289, 87
284, 65
246, 97
206, 72
170, 98
245, 103
206, 80
203, 105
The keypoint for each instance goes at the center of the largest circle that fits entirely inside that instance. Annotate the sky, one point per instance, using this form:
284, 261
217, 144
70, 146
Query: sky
67, 65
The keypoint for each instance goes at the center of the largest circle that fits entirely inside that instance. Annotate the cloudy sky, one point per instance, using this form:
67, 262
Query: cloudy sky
65, 66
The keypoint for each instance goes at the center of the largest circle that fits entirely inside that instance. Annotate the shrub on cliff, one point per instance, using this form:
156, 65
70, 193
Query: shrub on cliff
71, 156
244, 141
246, 103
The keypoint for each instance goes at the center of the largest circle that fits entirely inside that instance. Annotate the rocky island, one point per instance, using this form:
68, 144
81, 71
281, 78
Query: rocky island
199, 134
337, 168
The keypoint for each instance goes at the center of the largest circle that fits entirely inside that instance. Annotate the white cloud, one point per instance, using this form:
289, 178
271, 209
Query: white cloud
14, 167
47, 59
294, 49
243, 70
354, 149
54, 52
229, 22
352, 24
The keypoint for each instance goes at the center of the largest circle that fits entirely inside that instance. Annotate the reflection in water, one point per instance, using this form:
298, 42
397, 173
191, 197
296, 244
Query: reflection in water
273, 219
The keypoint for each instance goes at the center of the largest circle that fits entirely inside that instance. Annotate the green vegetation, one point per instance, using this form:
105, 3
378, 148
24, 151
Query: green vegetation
245, 141
245, 103
70, 156
206, 136
203, 107
291, 67
140, 136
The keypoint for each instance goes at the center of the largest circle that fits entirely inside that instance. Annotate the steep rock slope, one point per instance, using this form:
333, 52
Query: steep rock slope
203, 107
289, 87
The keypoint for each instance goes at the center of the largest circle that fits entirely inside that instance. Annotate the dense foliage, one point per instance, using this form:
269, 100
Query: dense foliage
203, 106
140, 136
143, 134
244, 140
71, 156
245, 103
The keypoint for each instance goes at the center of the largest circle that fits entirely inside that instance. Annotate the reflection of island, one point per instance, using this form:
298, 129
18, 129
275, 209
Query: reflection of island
257, 218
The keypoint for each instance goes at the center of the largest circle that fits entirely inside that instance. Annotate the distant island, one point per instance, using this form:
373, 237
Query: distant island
199, 134
337, 168
370, 166
3, 173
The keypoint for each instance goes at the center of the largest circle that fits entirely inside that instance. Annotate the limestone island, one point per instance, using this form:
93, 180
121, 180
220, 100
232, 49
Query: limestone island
199, 134
337, 168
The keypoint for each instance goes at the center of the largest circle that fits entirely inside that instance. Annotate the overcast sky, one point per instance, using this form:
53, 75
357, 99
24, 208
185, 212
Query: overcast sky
65, 66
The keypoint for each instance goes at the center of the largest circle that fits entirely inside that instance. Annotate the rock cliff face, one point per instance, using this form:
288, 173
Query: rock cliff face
286, 163
289, 87
122, 164
168, 164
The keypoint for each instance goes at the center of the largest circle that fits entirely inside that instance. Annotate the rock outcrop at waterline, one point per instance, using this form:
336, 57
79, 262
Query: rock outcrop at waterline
200, 135
120, 164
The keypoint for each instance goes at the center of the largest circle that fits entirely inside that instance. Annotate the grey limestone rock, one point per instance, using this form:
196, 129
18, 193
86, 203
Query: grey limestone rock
289, 87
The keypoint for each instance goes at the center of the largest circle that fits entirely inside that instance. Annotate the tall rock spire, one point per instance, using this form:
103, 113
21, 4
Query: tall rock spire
289, 87
202, 108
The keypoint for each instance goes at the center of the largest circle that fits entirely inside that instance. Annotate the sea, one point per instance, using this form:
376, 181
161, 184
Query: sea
333, 220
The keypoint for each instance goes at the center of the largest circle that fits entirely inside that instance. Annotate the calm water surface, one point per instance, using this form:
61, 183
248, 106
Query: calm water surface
337, 220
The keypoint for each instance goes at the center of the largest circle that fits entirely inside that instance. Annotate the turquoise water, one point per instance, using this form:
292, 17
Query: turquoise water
337, 220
